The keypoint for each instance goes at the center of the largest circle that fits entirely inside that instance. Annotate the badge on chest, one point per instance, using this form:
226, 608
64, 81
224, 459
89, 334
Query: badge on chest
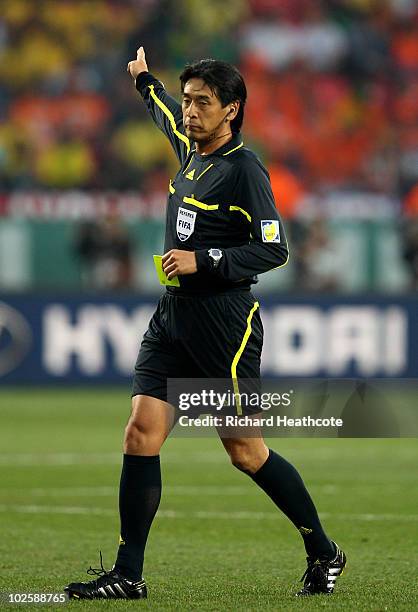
185, 223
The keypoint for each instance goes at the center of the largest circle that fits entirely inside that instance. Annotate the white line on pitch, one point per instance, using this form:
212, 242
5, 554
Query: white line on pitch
201, 514
183, 490
115, 458
113, 491
59, 459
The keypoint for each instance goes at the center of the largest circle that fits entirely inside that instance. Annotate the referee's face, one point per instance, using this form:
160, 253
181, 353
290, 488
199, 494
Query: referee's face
204, 117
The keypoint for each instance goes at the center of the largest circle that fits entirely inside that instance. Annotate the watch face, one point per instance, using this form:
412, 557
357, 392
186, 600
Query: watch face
216, 256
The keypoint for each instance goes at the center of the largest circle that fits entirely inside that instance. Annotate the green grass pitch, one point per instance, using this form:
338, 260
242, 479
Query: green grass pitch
218, 543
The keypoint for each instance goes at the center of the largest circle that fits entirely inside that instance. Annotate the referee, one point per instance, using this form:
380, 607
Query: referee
222, 229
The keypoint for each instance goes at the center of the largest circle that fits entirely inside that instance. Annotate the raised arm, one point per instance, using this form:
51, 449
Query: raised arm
165, 111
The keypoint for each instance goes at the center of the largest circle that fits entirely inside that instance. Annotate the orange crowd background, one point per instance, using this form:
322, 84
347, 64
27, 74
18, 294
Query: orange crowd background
333, 91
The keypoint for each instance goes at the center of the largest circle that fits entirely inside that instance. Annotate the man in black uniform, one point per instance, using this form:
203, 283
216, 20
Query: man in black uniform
222, 229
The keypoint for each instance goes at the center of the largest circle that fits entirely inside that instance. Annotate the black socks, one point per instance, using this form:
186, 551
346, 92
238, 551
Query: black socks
283, 484
139, 498
140, 493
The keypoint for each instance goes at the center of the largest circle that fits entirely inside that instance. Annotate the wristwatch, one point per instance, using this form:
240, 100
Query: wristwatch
215, 257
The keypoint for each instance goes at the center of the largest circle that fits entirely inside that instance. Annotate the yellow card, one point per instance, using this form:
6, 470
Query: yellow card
174, 282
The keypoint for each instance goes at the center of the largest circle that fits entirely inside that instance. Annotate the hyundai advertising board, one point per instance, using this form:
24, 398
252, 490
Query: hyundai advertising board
83, 339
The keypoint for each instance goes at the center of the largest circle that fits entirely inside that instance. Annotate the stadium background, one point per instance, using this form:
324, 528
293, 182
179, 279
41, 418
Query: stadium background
333, 113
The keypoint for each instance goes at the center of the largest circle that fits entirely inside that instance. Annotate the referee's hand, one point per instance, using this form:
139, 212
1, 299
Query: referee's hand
139, 65
179, 262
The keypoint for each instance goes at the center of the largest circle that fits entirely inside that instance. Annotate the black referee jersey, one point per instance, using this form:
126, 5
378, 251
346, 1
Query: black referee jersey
221, 200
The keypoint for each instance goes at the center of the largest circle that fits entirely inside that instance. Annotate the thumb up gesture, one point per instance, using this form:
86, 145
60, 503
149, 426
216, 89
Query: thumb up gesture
139, 65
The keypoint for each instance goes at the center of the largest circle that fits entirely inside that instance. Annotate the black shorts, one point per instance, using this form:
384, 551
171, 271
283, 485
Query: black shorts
199, 337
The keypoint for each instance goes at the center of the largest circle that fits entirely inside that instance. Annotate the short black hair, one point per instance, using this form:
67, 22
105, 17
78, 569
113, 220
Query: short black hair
224, 80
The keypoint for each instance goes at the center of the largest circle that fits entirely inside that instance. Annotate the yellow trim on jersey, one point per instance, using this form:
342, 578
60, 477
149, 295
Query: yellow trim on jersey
284, 263
201, 205
244, 212
238, 357
186, 168
170, 116
202, 173
234, 149
171, 188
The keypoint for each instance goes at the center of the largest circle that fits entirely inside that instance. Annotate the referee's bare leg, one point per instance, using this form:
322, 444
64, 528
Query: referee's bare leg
282, 483
148, 426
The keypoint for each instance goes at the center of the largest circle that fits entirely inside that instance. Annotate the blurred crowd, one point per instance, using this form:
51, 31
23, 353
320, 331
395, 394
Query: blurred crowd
333, 92
333, 89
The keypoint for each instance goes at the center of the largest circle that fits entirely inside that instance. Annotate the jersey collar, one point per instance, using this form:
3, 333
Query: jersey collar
231, 145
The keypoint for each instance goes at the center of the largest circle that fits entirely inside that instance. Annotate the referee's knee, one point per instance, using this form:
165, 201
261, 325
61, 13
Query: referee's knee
241, 462
243, 459
139, 441
246, 455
